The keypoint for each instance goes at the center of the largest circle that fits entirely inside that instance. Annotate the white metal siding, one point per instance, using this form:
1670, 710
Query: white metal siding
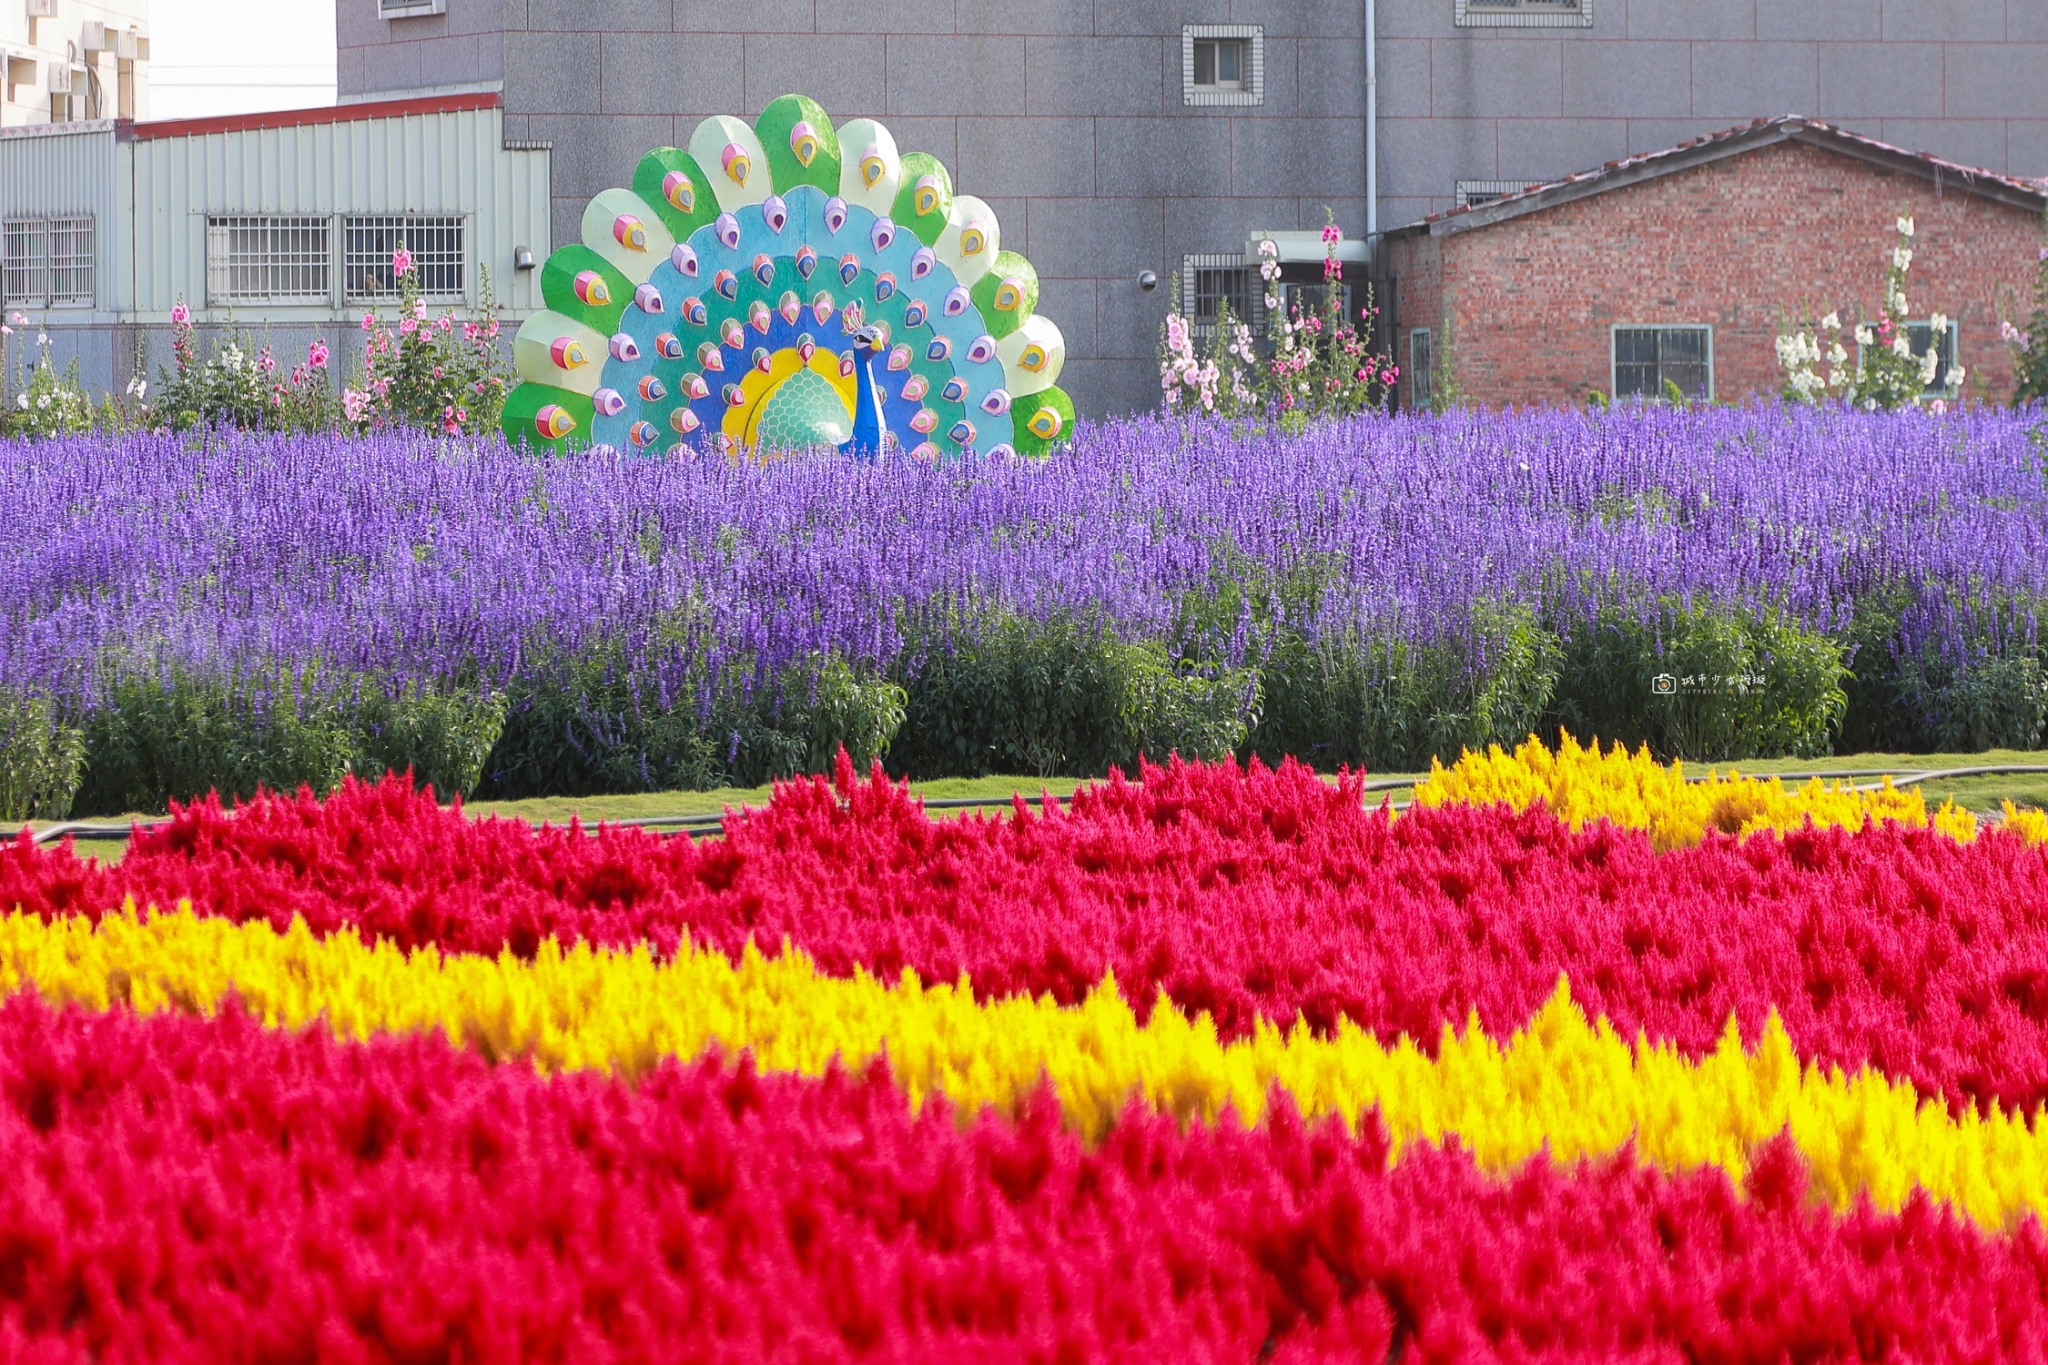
448, 163
65, 172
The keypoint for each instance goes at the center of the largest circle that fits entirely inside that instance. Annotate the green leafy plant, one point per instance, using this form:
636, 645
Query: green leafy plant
46, 401
1445, 394
1068, 695
1703, 681
41, 759
159, 739
588, 725
1391, 705
2029, 344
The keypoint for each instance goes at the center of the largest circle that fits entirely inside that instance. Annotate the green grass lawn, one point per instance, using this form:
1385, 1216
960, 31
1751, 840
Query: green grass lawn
1981, 794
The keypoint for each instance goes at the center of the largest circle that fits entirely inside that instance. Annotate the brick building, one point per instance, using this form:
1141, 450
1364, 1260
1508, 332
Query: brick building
1117, 137
1681, 264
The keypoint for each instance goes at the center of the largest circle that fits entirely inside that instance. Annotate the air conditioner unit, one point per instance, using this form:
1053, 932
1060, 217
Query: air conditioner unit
60, 78
95, 38
42, 9
127, 45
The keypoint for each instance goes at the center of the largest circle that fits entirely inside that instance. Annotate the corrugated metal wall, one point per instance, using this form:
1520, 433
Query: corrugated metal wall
66, 171
447, 163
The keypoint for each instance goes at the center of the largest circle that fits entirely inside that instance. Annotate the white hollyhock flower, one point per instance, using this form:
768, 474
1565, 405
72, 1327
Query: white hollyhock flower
1905, 226
1902, 258
1831, 323
1938, 324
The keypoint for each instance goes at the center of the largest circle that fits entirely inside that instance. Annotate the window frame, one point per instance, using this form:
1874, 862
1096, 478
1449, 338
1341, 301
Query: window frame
1252, 87
1614, 332
1492, 191
1191, 269
1950, 339
1422, 371
427, 257
220, 291
41, 269
1521, 14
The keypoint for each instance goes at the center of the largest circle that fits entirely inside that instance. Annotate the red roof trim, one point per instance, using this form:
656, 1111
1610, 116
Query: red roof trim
297, 118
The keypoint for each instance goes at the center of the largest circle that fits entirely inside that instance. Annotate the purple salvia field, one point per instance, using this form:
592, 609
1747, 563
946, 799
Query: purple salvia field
418, 556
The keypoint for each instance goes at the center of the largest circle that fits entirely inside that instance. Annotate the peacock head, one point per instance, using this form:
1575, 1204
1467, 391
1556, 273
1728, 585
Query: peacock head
867, 341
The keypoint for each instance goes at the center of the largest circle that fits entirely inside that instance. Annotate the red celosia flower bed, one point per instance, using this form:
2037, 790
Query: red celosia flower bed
1265, 893
181, 1189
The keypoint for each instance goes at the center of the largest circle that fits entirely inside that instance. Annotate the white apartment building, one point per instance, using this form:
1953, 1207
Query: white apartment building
68, 60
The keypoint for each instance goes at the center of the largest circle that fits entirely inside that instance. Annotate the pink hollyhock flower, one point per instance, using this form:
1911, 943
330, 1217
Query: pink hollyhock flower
316, 355
401, 261
180, 314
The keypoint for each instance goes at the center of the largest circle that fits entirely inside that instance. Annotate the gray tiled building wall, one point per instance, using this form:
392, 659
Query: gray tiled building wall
1068, 116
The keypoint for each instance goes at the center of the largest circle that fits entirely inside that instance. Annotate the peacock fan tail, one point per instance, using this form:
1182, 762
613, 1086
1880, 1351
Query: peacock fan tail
717, 302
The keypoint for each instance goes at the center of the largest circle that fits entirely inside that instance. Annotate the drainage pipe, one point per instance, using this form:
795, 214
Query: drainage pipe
1372, 154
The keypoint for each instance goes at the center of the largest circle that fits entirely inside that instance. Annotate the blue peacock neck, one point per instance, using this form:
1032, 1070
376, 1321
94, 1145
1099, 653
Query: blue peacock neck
866, 443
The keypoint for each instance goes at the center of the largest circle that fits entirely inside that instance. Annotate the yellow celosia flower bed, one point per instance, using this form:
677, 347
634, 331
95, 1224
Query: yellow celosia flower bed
1581, 783
1561, 1084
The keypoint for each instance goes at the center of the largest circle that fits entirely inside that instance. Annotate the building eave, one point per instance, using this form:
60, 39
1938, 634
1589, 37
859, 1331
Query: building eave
1763, 133
300, 118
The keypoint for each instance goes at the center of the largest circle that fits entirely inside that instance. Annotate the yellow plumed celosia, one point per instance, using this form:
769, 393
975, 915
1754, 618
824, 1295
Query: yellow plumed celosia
1560, 1084
2029, 825
1581, 784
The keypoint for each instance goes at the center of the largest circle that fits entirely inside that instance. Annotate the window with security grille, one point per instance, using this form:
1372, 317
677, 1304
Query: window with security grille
1523, 13
273, 260
1472, 194
48, 262
1420, 376
1210, 282
71, 260
1651, 362
435, 244
27, 270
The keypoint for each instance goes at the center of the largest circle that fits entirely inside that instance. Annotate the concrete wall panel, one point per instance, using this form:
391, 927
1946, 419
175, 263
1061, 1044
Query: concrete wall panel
1614, 80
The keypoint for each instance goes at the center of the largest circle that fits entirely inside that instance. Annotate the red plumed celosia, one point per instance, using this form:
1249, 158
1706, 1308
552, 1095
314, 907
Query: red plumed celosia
1245, 893
209, 1190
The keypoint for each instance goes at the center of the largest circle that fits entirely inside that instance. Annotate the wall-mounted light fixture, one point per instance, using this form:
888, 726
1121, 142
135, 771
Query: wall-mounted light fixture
1148, 280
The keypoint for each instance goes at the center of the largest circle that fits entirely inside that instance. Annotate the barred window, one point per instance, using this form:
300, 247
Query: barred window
1421, 376
1209, 282
71, 262
1650, 362
275, 260
436, 245
48, 262
1523, 13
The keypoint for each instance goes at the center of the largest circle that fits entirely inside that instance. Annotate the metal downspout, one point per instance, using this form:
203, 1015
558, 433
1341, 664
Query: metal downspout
1372, 111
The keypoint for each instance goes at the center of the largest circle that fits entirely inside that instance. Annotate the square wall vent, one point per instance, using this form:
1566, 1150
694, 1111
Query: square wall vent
410, 9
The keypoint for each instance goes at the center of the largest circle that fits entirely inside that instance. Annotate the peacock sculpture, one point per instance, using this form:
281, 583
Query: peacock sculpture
783, 286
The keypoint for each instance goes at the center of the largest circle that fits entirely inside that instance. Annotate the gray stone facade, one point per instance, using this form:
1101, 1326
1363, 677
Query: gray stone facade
1069, 116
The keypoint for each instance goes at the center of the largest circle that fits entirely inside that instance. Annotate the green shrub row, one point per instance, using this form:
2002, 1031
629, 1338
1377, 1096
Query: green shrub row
1066, 697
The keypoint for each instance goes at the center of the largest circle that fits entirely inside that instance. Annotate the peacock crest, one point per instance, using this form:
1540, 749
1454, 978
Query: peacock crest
789, 285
